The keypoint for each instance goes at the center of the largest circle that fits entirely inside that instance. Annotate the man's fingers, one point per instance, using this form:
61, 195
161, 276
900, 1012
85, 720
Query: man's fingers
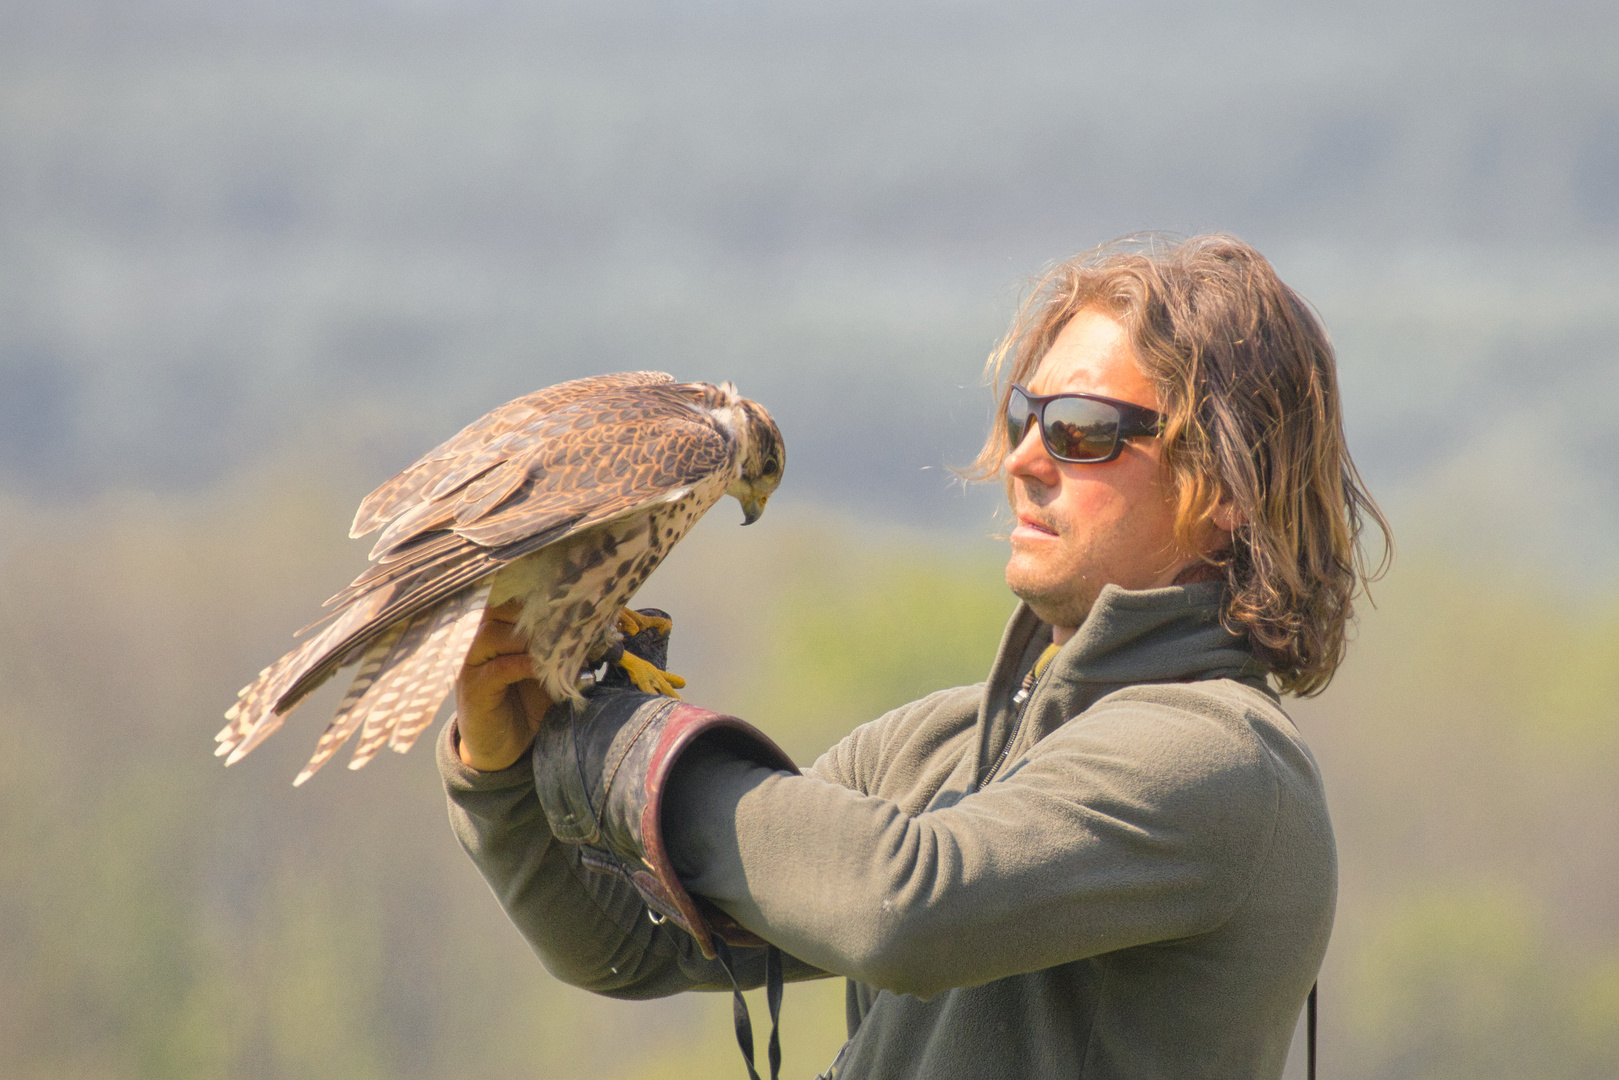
497, 633
492, 722
505, 669
536, 702
494, 638
483, 688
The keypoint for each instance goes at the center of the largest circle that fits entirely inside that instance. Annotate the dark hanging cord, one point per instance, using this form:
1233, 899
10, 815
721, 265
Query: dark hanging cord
1309, 1026
739, 1007
773, 982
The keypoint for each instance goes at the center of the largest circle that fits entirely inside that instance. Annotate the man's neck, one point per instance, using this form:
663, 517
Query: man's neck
1193, 572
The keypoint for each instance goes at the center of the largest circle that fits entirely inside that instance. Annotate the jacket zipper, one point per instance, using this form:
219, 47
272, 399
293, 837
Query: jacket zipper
1021, 699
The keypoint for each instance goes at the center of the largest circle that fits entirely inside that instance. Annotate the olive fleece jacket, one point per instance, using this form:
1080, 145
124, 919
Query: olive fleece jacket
1131, 875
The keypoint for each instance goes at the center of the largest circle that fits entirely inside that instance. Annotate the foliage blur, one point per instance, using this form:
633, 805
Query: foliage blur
165, 918
256, 256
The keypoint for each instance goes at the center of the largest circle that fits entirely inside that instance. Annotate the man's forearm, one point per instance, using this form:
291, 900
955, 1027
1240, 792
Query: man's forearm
1018, 877
588, 928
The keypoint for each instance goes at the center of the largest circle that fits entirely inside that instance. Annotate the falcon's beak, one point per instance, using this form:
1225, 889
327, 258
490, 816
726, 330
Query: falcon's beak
752, 507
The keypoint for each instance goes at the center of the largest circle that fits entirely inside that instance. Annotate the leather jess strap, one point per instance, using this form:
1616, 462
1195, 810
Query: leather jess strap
739, 1007
1309, 1032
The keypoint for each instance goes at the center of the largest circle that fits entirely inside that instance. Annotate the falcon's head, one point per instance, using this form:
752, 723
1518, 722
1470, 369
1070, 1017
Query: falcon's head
762, 455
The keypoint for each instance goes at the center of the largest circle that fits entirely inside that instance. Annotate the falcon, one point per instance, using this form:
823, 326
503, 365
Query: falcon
566, 499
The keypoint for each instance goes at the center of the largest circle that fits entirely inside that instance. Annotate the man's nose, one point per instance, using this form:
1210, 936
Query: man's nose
1029, 459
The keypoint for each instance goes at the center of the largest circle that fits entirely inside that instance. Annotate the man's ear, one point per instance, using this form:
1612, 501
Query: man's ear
1225, 515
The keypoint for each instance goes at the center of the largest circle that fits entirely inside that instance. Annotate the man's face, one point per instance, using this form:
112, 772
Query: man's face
1080, 527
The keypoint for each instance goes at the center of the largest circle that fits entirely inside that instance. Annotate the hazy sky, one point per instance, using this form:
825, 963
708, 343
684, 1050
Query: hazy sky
224, 227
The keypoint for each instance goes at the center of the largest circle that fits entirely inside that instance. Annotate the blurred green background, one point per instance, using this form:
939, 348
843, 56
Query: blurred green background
256, 256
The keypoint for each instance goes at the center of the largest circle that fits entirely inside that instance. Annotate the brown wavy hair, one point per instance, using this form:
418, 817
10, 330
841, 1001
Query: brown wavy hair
1247, 378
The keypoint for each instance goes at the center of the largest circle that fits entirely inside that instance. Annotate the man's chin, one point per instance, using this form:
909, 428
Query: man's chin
1064, 606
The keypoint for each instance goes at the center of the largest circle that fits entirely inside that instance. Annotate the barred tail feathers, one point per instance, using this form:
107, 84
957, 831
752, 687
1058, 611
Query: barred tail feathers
418, 713
405, 683
253, 718
373, 667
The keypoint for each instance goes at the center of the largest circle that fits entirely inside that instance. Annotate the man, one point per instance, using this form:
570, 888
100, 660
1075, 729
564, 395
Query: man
1110, 859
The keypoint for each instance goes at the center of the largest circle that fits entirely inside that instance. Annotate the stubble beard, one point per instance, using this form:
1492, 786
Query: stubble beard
1056, 600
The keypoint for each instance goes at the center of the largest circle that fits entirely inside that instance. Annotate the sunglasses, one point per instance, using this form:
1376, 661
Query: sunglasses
1082, 428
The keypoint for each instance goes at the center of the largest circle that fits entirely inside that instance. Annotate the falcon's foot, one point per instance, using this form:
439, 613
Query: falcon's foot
647, 676
643, 651
631, 623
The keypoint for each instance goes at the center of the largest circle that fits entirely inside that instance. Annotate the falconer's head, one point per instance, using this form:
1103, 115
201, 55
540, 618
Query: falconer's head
1168, 414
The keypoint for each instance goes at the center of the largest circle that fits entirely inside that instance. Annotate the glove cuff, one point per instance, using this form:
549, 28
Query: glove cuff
601, 773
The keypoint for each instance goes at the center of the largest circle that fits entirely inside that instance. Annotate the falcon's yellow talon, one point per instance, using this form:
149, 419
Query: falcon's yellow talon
648, 679
632, 622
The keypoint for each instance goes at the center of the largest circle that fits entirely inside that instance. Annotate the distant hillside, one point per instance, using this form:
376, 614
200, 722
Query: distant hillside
358, 224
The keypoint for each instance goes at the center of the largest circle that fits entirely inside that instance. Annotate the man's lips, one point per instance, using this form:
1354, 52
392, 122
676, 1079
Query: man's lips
1030, 528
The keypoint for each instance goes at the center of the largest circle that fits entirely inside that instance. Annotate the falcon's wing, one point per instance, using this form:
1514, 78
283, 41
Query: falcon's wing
558, 474
405, 490
528, 480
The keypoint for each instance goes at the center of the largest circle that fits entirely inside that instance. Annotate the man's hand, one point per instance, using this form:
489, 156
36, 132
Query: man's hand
498, 704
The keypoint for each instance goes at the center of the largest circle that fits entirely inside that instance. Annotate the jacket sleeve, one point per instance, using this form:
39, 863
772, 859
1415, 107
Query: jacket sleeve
1138, 821
589, 928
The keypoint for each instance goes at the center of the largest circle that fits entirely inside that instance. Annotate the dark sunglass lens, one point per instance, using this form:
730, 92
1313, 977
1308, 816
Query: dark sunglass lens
1017, 418
1081, 429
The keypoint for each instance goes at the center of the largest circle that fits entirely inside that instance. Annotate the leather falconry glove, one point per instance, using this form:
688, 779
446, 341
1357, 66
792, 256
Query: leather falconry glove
601, 771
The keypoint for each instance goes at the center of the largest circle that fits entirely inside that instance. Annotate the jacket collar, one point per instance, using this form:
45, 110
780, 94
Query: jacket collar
1171, 634
1155, 635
